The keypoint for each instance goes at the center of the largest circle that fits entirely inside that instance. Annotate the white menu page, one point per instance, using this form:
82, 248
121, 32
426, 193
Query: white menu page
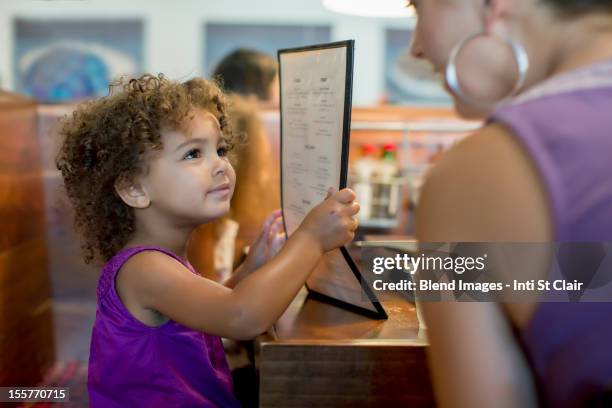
313, 84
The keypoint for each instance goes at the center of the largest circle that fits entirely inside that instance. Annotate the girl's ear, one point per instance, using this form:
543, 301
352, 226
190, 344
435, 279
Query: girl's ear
132, 193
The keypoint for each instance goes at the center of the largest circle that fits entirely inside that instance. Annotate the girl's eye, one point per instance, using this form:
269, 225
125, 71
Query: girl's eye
193, 154
222, 151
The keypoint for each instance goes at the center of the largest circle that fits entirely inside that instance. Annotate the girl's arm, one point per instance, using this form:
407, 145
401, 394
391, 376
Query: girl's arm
153, 280
483, 190
239, 273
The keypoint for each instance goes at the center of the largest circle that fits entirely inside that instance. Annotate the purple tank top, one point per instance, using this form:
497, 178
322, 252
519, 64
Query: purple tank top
565, 126
135, 365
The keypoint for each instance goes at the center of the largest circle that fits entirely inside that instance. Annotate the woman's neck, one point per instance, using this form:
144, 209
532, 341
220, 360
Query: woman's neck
582, 42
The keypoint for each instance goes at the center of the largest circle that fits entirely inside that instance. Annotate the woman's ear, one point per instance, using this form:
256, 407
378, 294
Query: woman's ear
132, 193
494, 11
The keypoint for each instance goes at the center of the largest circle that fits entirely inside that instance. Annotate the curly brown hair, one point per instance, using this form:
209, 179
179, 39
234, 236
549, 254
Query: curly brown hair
108, 140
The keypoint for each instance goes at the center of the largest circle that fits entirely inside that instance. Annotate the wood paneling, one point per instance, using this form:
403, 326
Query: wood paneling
26, 325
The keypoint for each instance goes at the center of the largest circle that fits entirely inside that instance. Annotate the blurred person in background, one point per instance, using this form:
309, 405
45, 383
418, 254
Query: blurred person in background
250, 73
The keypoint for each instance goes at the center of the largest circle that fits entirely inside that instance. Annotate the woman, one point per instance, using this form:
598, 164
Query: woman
536, 172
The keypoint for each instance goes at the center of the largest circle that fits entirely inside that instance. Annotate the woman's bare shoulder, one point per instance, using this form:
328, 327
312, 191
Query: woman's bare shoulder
485, 189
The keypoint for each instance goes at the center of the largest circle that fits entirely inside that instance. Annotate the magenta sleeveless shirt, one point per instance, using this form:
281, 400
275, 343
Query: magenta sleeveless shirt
135, 365
565, 127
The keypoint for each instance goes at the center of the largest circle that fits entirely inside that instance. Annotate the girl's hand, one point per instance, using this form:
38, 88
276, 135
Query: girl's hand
270, 240
332, 223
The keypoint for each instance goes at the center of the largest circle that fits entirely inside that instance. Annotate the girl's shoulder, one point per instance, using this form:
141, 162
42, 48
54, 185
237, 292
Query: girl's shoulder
135, 258
129, 276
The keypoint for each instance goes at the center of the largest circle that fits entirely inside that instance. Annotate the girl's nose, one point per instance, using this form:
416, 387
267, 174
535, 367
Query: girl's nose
220, 166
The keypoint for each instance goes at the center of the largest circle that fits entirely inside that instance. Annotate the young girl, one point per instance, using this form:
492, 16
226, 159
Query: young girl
143, 167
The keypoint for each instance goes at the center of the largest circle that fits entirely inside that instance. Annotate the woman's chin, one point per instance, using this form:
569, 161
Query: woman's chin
469, 112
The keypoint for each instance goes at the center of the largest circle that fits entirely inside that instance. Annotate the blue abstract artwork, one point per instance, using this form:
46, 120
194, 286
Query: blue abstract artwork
57, 61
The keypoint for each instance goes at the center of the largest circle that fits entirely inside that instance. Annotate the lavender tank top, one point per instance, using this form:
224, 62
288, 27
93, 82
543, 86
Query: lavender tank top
565, 126
135, 365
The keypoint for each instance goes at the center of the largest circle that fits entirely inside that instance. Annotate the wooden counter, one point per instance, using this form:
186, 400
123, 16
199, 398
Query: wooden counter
319, 355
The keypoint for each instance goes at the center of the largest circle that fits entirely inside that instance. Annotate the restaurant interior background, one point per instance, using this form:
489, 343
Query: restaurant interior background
56, 53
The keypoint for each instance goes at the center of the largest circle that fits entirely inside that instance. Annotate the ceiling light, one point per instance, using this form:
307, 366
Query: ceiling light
371, 8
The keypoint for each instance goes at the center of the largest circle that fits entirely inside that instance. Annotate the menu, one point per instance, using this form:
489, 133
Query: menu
316, 90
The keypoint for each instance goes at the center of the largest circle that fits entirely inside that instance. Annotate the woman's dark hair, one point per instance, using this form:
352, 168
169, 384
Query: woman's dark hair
246, 72
570, 8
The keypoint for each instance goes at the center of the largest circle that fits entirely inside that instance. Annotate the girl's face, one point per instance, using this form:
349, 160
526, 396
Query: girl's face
191, 180
485, 66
